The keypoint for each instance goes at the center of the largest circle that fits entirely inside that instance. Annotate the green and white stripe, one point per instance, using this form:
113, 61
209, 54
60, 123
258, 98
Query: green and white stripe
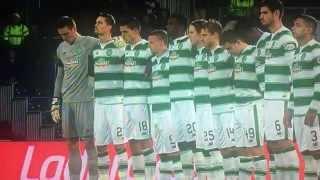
201, 80
136, 83
277, 50
159, 97
246, 84
306, 78
260, 58
108, 68
181, 61
221, 80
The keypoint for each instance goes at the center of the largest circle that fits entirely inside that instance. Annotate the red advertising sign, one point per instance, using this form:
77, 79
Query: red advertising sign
37, 160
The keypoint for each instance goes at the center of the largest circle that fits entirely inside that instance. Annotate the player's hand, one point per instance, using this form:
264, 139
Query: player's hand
287, 119
55, 110
310, 117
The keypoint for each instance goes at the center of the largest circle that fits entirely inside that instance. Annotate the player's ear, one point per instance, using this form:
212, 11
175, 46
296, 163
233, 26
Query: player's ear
238, 41
309, 30
277, 13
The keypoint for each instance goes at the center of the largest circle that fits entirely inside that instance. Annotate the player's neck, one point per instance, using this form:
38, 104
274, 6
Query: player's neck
303, 41
76, 35
136, 40
214, 45
105, 38
199, 45
162, 51
275, 26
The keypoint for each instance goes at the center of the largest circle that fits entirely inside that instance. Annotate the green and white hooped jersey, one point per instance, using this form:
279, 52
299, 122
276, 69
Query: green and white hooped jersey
136, 83
221, 79
246, 86
181, 61
108, 68
160, 97
306, 78
201, 79
275, 53
260, 58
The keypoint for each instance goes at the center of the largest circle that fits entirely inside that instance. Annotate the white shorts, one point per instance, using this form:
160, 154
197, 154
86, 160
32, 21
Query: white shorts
307, 138
249, 124
273, 121
205, 128
108, 124
136, 121
225, 129
162, 132
183, 115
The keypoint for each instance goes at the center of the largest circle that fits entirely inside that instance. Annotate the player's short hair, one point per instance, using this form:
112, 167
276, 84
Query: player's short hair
161, 34
230, 36
65, 21
239, 32
199, 24
131, 23
273, 5
213, 26
309, 20
181, 20
108, 18
243, 29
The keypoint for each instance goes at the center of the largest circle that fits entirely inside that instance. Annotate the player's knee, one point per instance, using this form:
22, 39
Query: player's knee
280, 145
256, 151
72, 143
147, 143
88, 141
185, 146
291, 159
102, 150
120, 148
135, 147
229, 152
315, 154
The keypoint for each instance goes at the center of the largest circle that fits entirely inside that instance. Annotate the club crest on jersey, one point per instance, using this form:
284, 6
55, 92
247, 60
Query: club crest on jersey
109, 52
261, 53
173, 55
290, 46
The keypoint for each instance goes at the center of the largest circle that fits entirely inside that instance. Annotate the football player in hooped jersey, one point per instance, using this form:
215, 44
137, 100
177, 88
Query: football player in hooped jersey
305, 97
108, 69
248, 109
207, 157
181, 62
220, 73
275, 52
162, 128
136, 90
